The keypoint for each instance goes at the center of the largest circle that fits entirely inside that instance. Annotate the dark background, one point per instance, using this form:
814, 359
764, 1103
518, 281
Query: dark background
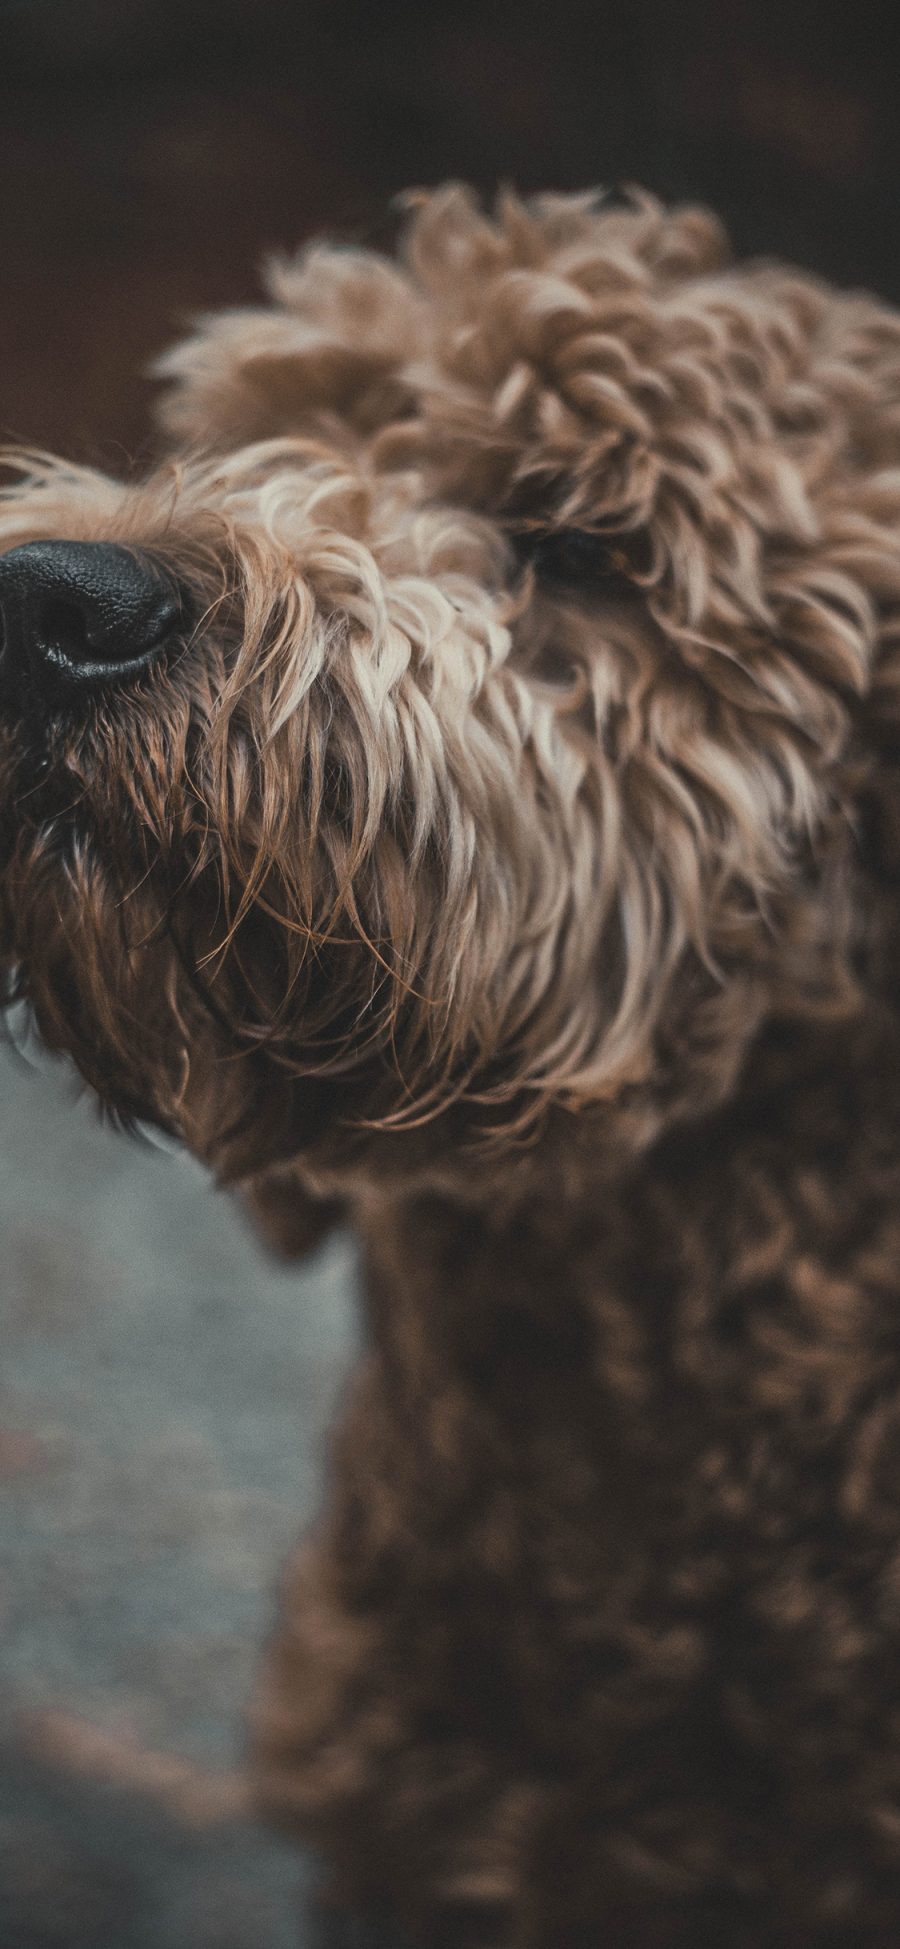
151, 149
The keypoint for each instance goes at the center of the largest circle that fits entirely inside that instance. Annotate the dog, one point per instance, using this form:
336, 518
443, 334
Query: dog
459, 788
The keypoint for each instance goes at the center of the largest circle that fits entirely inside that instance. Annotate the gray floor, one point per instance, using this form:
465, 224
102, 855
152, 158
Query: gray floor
164, 1392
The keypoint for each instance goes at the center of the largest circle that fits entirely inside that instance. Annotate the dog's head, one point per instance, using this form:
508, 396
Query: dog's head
457, 730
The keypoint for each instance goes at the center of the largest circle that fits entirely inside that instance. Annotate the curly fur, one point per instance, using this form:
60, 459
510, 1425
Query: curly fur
510, 854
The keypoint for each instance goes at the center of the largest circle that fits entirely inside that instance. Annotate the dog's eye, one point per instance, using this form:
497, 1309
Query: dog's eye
574, 556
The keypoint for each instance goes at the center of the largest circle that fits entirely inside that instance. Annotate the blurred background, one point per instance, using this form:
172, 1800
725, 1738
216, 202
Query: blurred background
163, 1390
151, 149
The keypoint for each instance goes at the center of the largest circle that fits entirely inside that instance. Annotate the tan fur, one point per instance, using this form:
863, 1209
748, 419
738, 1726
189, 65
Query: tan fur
510, 855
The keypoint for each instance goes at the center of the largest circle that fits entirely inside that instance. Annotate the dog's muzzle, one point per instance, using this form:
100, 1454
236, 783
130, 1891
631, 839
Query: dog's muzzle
78, 616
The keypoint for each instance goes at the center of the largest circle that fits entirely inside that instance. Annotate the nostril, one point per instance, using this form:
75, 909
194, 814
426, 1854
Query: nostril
63, 630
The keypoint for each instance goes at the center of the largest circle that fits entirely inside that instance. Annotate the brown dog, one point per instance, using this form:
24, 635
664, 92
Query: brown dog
463, 785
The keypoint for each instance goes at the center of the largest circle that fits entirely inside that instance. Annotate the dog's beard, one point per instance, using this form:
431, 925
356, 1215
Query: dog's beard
190, 980
87, 891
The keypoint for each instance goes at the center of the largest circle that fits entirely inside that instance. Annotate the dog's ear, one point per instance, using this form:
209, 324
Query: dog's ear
326, 357
553, 358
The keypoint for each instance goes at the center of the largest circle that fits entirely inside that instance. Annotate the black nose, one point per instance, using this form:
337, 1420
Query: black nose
78, 615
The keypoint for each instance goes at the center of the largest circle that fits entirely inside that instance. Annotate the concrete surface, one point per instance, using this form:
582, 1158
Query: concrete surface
164, 1392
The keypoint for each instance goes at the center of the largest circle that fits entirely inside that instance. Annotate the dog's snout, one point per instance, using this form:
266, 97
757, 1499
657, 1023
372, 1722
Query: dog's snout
78, 615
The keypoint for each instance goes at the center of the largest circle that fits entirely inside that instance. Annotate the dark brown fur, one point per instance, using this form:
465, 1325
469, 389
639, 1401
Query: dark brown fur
510, 859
